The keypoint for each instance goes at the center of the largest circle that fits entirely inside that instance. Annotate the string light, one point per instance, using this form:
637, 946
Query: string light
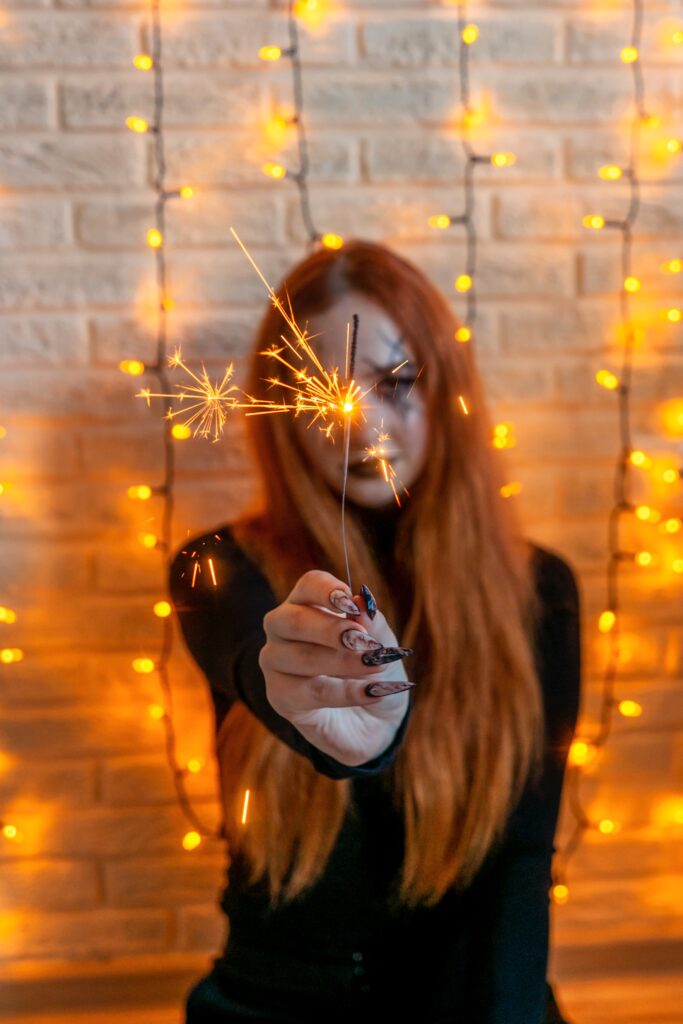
9, 656
144, 665
310, 10
584, 752
464, 283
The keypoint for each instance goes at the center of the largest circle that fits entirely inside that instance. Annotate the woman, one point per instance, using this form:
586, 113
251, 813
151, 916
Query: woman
394, 854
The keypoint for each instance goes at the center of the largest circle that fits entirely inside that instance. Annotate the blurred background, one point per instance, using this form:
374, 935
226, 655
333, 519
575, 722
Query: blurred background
513, 116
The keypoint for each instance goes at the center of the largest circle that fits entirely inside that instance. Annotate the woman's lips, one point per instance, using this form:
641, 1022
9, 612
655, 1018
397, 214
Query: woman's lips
364, 469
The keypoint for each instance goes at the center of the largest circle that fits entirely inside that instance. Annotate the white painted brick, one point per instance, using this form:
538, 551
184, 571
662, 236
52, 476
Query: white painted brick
234, 39
63, 734
362, 98
383, 215
223, 158
62, 162
45, 885
42, 341
100, 932
33, 225
155, 881
561, 95
189, 101
204, 929
424, 158
58, 39
47, 566
432, 38
25, 104
77, 279
561, 326
600, 42
128, 781
203, 221
24, 784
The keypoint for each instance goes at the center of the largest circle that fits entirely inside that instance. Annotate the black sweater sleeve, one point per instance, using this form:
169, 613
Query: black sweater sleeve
514, 917
220, 599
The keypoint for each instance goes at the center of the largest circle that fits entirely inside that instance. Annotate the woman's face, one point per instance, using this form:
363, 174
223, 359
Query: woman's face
394, 406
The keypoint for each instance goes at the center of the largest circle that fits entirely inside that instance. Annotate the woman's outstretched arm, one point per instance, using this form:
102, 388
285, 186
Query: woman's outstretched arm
222, 626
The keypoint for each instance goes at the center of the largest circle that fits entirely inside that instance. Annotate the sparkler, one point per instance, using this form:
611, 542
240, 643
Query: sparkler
322, 393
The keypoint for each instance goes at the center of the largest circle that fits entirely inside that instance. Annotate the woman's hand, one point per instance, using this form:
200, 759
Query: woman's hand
315, 674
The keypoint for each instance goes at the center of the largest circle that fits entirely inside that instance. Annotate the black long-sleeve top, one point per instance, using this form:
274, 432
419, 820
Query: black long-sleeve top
489, 962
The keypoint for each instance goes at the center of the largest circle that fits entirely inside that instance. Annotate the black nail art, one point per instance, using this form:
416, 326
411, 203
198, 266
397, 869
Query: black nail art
370, 603
382, 689
357, 640
387, 654
340, 600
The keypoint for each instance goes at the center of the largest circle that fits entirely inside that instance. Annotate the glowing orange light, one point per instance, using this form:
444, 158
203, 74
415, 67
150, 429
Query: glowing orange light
245, 806
463, 334
332, 241
630, 708
137, 124
191, 840
470, 34
439, 220
463, 282
594, 221
143, 61
607, 380
606, 621
132, 366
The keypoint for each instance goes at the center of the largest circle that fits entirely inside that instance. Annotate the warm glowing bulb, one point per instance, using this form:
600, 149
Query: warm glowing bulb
470, 34
439, 220
162, 609
606, 621
154, 238
629, 54
8, 655
463, 334
630, 708
508, 490
156, 712
559, 893
143, 61
607, 380
673, 315
140, 492
644, 558
167, 303
503, 159
10, 831
632, 284
181, 431
593, 220
270, 53
7, 615
677, 37
643, 512
669, 476
132, 366
274, 170
143, 665
640, 459
137, 124
608, 827
674, 266
673, 525
191, 840
195, 764
308, 10
186, 192
3, 431
148, 540
610, 172
463, 282
674, 145
581, 752
677, 565
332, 241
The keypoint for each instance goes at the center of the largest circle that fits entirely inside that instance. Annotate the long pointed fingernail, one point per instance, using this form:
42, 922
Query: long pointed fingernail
370, 603
386, 655
382, 689
357, 640
340, 600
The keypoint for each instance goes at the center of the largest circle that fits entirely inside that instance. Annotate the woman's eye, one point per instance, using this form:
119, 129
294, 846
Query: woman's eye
396, 385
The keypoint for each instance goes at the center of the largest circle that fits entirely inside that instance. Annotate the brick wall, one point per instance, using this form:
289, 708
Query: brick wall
100, 873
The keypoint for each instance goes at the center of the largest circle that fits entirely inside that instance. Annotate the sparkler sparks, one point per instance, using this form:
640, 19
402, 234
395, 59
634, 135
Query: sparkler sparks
378, 452
212, 401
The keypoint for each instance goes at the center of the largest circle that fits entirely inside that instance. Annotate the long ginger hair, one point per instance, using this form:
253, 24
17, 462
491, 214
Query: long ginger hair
476, 731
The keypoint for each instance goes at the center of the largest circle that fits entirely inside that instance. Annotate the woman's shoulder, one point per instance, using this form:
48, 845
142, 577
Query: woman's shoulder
556, 579
206, 564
